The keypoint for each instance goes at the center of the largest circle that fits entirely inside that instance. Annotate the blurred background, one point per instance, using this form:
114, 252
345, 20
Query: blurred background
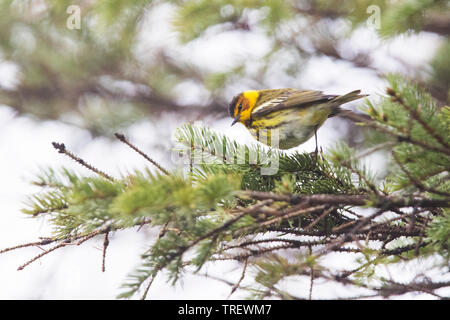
78, 71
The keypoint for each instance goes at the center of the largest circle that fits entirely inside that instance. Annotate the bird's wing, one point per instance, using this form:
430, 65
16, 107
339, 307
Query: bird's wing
288, 98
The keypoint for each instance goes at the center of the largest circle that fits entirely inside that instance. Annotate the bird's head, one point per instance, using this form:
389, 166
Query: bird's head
242, 105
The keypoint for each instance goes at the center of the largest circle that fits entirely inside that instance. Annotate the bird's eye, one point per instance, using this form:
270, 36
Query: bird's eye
240, 107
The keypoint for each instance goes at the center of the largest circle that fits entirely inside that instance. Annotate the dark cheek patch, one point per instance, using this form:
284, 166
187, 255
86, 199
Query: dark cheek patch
232, 107
240, 103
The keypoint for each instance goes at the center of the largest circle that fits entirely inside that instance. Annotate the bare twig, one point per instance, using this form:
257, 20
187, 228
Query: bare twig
62, 149
311, 278
62, 244
123, 139
237, 284
105, 246
400, 288
319, 218
369, 151
30, 244
144, 295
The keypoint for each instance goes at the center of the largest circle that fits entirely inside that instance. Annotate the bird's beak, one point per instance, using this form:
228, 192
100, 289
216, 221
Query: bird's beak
236, 119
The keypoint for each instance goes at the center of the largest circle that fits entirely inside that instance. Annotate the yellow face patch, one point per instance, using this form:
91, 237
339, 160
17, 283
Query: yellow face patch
248, 103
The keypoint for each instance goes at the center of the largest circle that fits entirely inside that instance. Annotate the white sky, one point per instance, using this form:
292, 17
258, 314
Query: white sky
74, 273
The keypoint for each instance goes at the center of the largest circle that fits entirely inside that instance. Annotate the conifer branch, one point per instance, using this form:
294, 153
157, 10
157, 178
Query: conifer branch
62, 149
43, 242
415, 181
319, 218
147, 288
387, 201
399, 137
237, 284
311, 281
397, 288
123, 139
105, 246
63, 243
415, 114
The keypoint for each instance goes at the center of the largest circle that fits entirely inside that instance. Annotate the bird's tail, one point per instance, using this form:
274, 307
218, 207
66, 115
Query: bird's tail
349, 97
338, 100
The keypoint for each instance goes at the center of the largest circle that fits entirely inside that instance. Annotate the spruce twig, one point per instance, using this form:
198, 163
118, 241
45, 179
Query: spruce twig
237, 284
399, 137
311, 284
396, 286
351, 199
62, 244
369, 151
319, 218
414, 180
62, 149
105, 246
415, 114
43, 242
123, 139
147, 288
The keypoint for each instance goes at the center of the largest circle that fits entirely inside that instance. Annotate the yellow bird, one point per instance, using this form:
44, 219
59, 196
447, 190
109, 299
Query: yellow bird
286, 118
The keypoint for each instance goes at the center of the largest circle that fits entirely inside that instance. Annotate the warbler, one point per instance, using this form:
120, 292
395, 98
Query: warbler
295, 115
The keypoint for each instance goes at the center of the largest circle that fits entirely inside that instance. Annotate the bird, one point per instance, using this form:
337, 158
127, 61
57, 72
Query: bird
293, 115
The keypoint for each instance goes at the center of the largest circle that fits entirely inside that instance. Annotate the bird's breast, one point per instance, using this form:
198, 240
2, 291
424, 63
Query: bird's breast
285, 129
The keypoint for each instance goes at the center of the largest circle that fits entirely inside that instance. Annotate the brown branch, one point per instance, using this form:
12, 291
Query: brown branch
62, 149
253, 253
319, 218
75, 240
294, 242
311, 283
386, 202
406, 248
237, 284
144, 295
437, 22
123, 139
301, 211
62, 244
399, 288
153, 103
30, 244
105, 246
